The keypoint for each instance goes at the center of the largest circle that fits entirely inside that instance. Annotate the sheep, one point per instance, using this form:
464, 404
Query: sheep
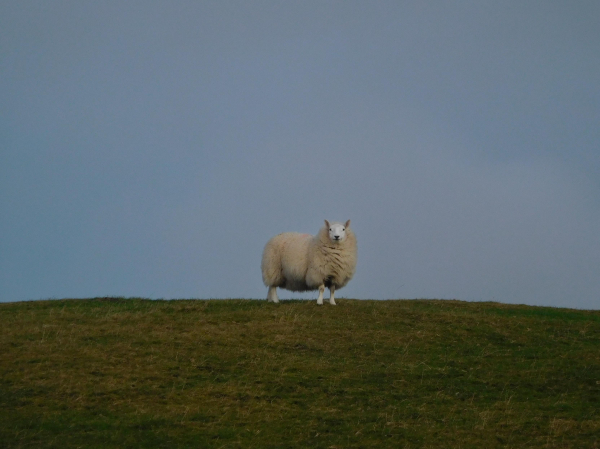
301, 262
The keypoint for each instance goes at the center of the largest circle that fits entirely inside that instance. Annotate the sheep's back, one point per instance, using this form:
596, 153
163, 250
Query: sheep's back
294, 255
285, 260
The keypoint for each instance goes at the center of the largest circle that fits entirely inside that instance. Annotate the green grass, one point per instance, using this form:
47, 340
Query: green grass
117, 373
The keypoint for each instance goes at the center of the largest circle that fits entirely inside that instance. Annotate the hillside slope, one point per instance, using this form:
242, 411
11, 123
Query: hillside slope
113, 372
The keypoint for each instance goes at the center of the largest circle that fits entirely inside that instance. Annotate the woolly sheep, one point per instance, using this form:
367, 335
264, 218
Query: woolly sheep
301, 262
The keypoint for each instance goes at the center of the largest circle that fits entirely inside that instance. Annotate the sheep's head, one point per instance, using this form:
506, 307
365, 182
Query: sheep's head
337, 231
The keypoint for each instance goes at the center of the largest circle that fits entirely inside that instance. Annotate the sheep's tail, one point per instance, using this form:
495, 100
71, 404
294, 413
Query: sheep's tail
272, 273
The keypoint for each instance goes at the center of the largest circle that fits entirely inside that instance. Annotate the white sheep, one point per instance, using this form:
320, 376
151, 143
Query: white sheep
301, 262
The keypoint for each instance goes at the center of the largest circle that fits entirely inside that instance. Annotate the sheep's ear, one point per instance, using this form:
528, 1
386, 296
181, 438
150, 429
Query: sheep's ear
327, 224
347, 224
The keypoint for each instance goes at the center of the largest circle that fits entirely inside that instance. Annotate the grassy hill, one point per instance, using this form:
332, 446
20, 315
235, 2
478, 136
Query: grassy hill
113, 372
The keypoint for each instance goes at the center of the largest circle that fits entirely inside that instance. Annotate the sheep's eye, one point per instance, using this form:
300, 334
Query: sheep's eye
343, 229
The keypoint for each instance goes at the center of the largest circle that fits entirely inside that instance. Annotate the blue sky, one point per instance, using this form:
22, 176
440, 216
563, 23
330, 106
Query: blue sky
152, 148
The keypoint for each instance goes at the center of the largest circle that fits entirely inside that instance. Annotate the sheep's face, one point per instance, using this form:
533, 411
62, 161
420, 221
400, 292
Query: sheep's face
337, 232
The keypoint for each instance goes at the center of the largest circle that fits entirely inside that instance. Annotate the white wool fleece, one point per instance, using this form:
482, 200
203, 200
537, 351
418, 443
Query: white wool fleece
301, 262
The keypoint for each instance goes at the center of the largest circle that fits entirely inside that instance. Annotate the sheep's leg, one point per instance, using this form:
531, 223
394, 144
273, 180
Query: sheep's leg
272, 295
320, 298
331, 293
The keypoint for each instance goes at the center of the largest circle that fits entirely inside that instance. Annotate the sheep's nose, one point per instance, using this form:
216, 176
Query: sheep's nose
337, 237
